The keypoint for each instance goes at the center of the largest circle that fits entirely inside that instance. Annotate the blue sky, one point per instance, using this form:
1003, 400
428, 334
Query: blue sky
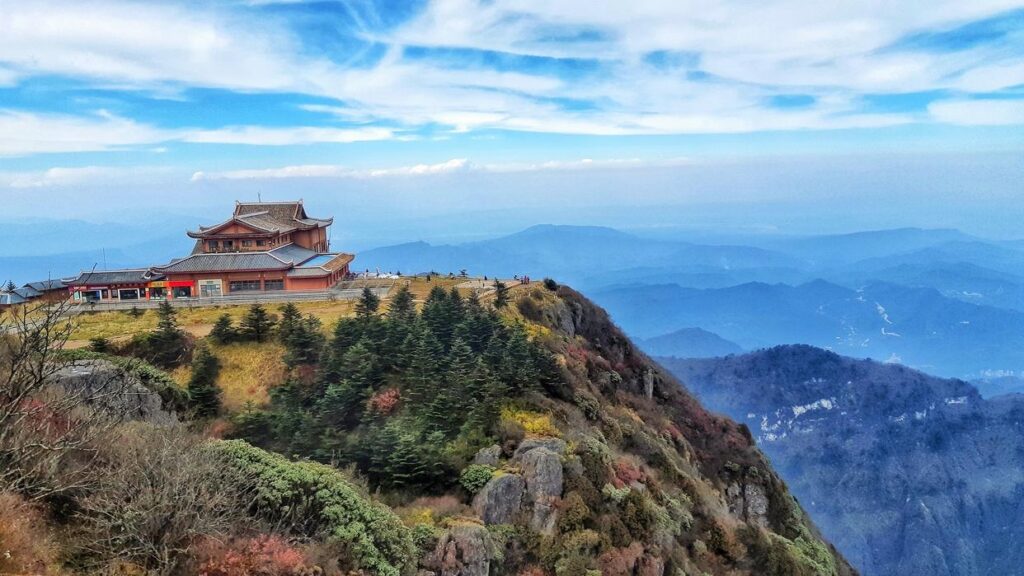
124, 96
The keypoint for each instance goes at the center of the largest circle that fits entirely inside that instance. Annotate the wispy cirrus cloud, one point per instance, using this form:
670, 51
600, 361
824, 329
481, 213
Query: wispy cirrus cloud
455, 165
376, 71
23, 133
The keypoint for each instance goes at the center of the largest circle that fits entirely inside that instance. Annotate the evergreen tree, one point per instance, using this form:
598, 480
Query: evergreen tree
424, 368
452, 397
203, 392
368, 304
402, 307
11, 287
100, 345
223, 331
500, 294
167, 322
257, 324
344, 402
304, 342
437, 315
166, 346
347, 332
290, 319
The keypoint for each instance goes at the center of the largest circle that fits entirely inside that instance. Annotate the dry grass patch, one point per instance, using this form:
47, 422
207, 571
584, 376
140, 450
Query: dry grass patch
248, 371
198, 321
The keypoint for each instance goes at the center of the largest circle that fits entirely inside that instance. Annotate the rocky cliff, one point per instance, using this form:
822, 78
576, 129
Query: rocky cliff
906, 473
634, 473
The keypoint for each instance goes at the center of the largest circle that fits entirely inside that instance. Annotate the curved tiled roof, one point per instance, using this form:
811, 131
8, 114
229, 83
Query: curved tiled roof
333, 265
282, 258
103, 277
269, 217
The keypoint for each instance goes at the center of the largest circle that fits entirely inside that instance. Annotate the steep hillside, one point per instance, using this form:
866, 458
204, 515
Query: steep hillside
517, 433
906, 473
536, 435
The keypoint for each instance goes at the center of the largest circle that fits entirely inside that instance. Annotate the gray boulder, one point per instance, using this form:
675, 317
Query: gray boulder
464, 550
556, 445
501, 499
488, 456
542, 470
104, 386
748, 501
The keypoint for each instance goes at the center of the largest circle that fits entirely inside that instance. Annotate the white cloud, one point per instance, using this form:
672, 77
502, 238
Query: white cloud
259, 136
23, 133
66, 177
454, 165
833, 51
979, 112
143, 44
992, 77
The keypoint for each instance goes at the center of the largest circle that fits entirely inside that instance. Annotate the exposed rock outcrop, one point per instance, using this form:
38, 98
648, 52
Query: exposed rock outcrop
748, 501
542, 470
556, 445
104, 385
489, 456
501, 499
464, 550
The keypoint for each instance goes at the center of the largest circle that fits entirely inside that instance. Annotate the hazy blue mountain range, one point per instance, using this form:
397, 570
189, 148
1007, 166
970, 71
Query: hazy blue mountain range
690, 343
952, 301
570, 253
907, 474
916, 326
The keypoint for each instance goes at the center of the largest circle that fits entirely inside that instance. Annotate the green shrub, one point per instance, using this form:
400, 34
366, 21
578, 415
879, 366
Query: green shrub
475, 477
614, 494
317, 499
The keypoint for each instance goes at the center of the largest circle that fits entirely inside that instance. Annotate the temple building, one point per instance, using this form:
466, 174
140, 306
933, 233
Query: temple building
264, 246
113, 285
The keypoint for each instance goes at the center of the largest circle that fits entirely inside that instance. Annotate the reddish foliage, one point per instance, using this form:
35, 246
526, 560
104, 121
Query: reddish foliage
673, 431
219, 428
25, 547
577, 353
385, 401
621, 561
41, 418
626, 473
261, 556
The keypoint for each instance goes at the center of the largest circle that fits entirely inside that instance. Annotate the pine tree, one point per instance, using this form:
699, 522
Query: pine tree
167, 323
257, 324
500, 294
402, 307
424, 369
100, 345
368, 304
290, 319
203, 392
166, 346
11, 287
223, 331
451, 398
304, 342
